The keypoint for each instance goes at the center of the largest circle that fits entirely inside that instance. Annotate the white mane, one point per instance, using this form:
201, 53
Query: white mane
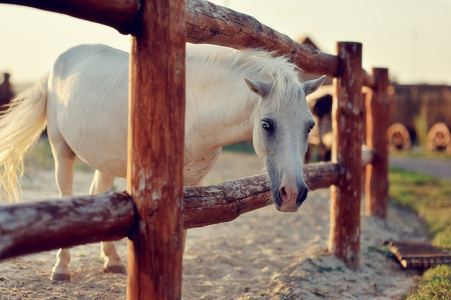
255, 64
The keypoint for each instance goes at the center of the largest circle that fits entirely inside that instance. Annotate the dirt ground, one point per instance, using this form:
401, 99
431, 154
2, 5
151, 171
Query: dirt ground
264, 254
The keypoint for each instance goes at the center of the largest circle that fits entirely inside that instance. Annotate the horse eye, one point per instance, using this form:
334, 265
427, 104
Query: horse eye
267, 125
311, 128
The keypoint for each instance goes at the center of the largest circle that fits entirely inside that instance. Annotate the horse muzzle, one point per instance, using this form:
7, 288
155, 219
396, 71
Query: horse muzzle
290, 197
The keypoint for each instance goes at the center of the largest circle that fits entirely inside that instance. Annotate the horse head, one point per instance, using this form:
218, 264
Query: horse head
282, 122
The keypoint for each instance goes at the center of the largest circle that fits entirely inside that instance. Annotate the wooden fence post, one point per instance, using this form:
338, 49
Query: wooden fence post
377, 122
347, 122
155, 151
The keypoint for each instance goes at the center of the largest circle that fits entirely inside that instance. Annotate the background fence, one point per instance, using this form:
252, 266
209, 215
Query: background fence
160, 28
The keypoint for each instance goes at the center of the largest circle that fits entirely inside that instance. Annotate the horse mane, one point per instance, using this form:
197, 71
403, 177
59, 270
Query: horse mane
255, 64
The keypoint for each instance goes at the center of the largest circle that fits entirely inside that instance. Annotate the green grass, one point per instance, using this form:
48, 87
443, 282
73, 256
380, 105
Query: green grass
243, 147
434, 284
430, 197
41, 157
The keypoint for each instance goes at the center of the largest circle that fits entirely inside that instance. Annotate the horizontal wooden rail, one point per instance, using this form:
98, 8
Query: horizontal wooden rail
40, 226
206, 23
27, 228
119, 14
226, 201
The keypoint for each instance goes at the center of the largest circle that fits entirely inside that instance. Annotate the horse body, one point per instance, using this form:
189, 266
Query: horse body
87, 99
84, 102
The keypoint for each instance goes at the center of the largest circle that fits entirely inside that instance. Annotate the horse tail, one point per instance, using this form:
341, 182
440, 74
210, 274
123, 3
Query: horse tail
20, 128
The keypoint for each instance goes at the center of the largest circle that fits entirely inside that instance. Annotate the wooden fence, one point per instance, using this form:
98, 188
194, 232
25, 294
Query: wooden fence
160, 28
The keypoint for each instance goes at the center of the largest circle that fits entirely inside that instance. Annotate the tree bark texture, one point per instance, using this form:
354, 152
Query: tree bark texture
40, 226
377, 123
119, 14
155, 151
226, 201
206, 23
347, 122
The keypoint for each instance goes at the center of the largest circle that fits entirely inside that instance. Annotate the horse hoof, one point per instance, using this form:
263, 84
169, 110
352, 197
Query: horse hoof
60, 277
115, 269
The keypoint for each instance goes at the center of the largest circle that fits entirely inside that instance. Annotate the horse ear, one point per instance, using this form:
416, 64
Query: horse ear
260, 88
312, 85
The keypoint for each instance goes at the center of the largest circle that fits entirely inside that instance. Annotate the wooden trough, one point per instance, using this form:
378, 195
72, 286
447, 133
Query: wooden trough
418, 254
159, 29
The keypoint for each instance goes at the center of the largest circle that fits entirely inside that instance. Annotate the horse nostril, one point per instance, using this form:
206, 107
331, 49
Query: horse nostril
283, 193
304, 195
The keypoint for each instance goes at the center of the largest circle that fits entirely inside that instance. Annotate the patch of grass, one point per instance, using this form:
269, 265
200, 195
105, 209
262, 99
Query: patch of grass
435, 284
322, 269
422, 153
339, 269
42, 158
421, 128
244, 147
427, 195
430, 197
82, 167
41, 155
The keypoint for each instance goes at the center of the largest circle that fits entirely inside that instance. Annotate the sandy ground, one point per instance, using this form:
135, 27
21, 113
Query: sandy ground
261, 255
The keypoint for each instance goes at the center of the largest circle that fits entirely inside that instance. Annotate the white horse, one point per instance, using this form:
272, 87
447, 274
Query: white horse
231, 96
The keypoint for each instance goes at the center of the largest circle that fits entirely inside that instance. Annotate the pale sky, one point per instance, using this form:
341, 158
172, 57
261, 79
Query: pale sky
410, 37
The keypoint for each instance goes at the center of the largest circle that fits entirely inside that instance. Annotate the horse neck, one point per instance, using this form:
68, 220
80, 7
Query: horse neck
219, 112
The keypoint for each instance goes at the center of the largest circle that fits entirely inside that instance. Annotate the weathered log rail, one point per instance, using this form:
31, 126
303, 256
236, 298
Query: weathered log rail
33, 227
204, 23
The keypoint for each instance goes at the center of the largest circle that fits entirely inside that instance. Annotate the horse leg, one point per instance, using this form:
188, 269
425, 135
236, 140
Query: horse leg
112, 262
64, 171
61, 271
